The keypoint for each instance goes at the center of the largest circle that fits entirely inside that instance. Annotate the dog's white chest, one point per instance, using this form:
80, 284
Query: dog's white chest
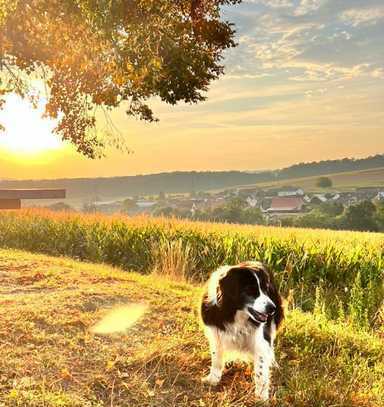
239, 338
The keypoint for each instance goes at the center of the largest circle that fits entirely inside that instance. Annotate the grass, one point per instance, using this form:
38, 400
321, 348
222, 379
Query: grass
49, 357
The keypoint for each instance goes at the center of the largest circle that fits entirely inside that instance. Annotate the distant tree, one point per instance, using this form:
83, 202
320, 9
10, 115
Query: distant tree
361, 216
252, 216
331, 208
61, 207
364, 216
331, 166
232, 211
324, 182
287, 221
104, 54
170, 212
235, 211
314, 219
129, 204
379, 216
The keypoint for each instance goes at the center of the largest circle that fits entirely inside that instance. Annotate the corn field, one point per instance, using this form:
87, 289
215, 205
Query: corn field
340, 273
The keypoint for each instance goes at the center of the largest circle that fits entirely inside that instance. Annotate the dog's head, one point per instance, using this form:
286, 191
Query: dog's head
249, 287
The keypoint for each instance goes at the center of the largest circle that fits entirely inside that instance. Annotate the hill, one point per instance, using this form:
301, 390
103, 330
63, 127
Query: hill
50, 358
86, 189
342, 181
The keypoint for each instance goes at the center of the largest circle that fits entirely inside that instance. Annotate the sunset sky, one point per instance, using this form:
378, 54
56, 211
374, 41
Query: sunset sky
305, 83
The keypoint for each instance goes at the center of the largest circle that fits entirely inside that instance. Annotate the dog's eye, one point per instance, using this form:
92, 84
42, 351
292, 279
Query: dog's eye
252, 291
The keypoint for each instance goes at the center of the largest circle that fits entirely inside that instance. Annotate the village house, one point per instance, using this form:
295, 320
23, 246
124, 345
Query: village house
145, 205
286, 204
107, 207
317, 199
290, 191
252, 202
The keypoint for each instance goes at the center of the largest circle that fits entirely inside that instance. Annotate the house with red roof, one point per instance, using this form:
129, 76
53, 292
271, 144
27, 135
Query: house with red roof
286, 204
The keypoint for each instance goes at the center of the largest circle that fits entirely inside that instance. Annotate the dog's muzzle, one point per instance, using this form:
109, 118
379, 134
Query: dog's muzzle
257, 316
262, 317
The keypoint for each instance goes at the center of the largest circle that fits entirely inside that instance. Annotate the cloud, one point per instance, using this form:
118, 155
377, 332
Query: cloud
308, 7
247, 75
308, 41
363, 16
378, 73
317, 72
273, 3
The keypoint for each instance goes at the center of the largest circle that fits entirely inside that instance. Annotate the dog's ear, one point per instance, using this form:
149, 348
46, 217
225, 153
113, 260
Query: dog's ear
274, 295
229, 286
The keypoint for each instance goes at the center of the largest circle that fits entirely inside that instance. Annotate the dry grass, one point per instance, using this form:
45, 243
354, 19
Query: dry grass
49, 357
173, 259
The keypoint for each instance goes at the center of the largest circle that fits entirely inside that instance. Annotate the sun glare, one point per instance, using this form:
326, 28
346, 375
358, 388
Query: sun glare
26, 132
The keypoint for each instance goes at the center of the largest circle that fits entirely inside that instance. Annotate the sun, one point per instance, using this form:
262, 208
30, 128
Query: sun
26, 132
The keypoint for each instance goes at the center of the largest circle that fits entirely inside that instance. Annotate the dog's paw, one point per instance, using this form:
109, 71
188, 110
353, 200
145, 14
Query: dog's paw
263, 395
211, 379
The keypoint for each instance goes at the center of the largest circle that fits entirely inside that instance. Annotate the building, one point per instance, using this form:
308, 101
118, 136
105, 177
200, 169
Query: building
318, 199
108, 207
252, 202
11, 198
286, 204
291, 192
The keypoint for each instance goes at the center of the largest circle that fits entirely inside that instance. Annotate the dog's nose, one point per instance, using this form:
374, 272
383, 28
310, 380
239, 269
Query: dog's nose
270, 308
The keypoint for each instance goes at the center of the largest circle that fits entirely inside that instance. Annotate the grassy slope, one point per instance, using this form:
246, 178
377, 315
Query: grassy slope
48, 357
342, 181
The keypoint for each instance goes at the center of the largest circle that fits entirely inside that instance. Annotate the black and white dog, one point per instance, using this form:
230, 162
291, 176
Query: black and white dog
241, 311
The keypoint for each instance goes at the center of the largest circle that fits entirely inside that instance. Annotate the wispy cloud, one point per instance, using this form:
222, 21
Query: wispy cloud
378, 73
363, 16
273, 3
308, 7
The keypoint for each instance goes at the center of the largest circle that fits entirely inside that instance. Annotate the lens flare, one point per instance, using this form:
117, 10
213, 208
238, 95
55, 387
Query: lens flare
119, 319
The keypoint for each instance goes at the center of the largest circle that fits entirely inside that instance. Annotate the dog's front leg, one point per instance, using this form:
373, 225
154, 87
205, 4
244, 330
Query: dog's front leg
217, 358
262, 372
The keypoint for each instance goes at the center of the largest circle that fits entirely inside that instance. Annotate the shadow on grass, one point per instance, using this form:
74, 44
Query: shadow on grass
316, 368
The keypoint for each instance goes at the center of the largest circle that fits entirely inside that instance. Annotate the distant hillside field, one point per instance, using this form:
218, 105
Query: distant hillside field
49, 356
343, 181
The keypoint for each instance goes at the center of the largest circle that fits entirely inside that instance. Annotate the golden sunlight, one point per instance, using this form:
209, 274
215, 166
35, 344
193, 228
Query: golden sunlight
26, 132
119, 319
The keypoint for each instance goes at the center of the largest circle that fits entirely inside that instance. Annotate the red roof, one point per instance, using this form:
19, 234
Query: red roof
286, 203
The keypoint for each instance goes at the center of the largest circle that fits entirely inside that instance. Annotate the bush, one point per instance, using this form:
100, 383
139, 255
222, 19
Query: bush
360, 217
324, 182
331, 208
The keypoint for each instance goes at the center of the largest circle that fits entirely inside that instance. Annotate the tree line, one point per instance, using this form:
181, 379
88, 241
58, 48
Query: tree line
362, 216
